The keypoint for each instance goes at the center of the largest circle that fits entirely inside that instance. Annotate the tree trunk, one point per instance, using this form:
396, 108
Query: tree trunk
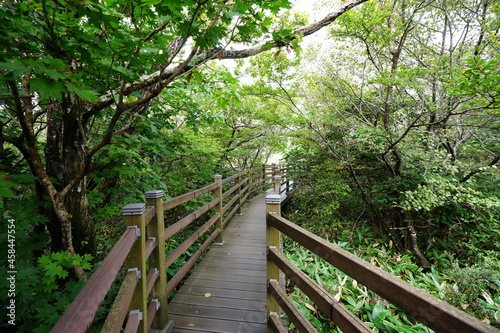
83, 227
65, 156
414, 242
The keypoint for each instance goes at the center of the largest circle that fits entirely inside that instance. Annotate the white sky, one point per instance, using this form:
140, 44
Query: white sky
307, 6
316, 9
315, 14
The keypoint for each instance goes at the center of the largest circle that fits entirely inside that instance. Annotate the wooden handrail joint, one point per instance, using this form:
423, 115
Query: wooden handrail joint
157, 272
270, 281
137, 271
157, 303
154, 239
270, 248
137, 230
136, 313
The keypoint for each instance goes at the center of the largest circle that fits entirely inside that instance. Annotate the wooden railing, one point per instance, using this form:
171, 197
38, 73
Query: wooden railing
435, 313
142, 247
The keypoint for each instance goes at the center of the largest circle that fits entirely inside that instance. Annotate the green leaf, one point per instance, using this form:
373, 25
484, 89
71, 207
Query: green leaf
5, 191
244, 30
53, 270
378, 313
48, 88
197, 76
82, 93
15, 66
44, 260
58, 256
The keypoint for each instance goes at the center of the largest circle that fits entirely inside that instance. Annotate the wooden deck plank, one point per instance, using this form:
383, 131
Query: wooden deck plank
196, 324
230, 265
233, 250
235, 264
223, 302
227, 293
222, 278
221, 313
235, 277
228, 256
228, 285
227, 269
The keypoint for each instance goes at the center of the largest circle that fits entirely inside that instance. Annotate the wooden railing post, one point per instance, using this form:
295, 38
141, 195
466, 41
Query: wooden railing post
264, 169
156, 229
133, 217
273, 240
287, 177
238, 191
219, 241
277, 185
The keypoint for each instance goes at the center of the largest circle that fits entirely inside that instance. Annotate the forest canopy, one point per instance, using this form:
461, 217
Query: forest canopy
387, 111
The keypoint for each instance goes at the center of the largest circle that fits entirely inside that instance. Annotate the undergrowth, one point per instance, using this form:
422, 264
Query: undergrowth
474, 289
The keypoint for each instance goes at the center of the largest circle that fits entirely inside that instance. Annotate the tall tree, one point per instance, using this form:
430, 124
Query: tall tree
406, 112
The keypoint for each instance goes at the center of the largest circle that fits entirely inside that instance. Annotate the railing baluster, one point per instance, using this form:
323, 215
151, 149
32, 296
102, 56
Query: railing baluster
133, 215
238, 193
219, 241
277, 185
273, 240
287, 177
156, 229
264, 169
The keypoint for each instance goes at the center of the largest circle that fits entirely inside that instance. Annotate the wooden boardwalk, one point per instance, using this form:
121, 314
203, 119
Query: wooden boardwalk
227, 290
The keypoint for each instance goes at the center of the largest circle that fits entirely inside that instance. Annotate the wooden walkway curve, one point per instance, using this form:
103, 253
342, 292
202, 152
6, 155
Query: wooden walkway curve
227, 290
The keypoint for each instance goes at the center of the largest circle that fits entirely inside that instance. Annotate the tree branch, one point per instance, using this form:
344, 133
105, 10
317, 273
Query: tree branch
25, 120
495, 160
170, 74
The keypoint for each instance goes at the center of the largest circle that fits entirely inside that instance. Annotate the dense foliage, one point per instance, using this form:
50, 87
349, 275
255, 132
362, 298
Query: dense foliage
401, 135
474, 289
398, 141
390, 123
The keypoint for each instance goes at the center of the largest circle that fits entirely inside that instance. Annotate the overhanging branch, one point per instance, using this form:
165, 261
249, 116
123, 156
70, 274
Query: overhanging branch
170, 74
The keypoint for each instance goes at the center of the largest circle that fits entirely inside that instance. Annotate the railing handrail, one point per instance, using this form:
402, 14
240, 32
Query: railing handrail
81, 312
183, 198
79, 315
433, 312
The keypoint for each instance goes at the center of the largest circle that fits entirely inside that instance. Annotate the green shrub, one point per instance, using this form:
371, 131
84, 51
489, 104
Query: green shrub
476, 289
43, 289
